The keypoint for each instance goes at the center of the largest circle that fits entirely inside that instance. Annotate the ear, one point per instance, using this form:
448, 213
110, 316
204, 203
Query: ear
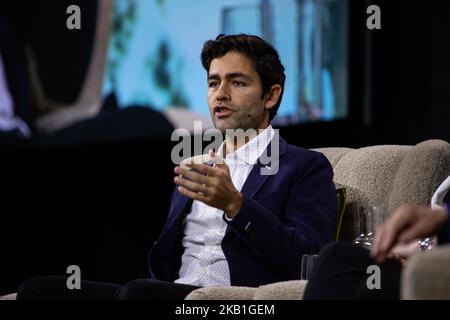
272, 96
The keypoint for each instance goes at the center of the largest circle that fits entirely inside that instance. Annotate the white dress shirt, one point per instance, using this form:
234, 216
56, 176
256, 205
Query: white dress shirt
203, 262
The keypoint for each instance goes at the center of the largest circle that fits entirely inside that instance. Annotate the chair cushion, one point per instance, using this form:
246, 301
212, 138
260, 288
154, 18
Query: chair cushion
367, 174
222, 293
421, 172
285, 290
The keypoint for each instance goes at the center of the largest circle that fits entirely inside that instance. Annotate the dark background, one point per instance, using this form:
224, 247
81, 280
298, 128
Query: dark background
399, 78
101, 206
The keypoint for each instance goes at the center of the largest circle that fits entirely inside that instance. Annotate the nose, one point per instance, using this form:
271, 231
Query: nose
222, 93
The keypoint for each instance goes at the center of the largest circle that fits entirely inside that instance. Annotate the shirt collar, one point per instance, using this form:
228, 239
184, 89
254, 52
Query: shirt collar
251, 151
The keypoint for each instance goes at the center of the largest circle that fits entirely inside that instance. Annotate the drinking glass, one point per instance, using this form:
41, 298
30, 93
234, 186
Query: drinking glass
308, 262
367, 221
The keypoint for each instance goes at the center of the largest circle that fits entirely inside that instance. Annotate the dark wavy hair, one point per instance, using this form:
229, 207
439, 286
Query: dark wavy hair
264, 58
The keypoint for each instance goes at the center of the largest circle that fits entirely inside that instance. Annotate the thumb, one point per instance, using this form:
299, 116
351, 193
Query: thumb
222, 165
218, 160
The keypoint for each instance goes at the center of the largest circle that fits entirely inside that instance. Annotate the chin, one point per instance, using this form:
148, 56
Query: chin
222, 125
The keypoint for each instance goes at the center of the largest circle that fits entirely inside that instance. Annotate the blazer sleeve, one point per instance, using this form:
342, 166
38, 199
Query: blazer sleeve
308, 224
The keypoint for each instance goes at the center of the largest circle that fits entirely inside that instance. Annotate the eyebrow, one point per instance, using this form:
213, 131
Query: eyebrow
215, 76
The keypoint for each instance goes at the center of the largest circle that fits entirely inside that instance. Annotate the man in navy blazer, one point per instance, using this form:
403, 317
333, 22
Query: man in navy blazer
237, 219
288, 214
274, 219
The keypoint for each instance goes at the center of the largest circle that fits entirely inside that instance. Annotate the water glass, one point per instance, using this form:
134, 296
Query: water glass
368, 220
308, 262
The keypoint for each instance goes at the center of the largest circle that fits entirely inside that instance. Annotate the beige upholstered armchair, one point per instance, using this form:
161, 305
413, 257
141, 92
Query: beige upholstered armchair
388, 175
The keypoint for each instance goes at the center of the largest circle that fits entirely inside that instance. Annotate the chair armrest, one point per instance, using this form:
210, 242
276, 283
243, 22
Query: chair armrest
222, 293
285, 290
427, 275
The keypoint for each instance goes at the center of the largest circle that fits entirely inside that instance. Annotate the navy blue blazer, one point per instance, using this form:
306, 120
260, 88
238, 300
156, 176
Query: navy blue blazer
283, 216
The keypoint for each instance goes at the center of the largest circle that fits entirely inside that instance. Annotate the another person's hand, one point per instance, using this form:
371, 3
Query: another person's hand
211, 185
405, 224
404, 251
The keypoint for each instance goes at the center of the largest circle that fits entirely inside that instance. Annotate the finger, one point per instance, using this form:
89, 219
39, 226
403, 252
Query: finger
426, 224
179, 170
405, 250
387, 240
216, 157
418, 230
197, 177
191, 185
379, 253
376, 241
203, 168
222, 166
192, 195
192, 175
392, 228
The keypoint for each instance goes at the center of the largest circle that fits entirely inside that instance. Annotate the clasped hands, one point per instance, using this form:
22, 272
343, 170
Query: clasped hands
211, 185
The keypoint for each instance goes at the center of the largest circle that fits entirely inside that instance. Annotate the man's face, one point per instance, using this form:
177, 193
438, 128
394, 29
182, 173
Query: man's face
234, 94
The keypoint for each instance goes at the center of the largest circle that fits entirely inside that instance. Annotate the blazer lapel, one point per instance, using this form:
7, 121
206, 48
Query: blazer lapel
255, 179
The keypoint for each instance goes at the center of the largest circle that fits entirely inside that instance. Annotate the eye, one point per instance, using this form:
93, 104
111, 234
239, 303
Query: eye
213, 84
238, 83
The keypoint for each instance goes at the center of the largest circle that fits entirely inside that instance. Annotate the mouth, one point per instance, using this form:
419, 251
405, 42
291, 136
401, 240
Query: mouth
222, 111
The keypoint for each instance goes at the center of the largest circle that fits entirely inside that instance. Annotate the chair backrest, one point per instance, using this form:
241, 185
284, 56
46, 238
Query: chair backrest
388, 175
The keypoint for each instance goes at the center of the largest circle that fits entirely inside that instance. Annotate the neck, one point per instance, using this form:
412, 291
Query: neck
239, 138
